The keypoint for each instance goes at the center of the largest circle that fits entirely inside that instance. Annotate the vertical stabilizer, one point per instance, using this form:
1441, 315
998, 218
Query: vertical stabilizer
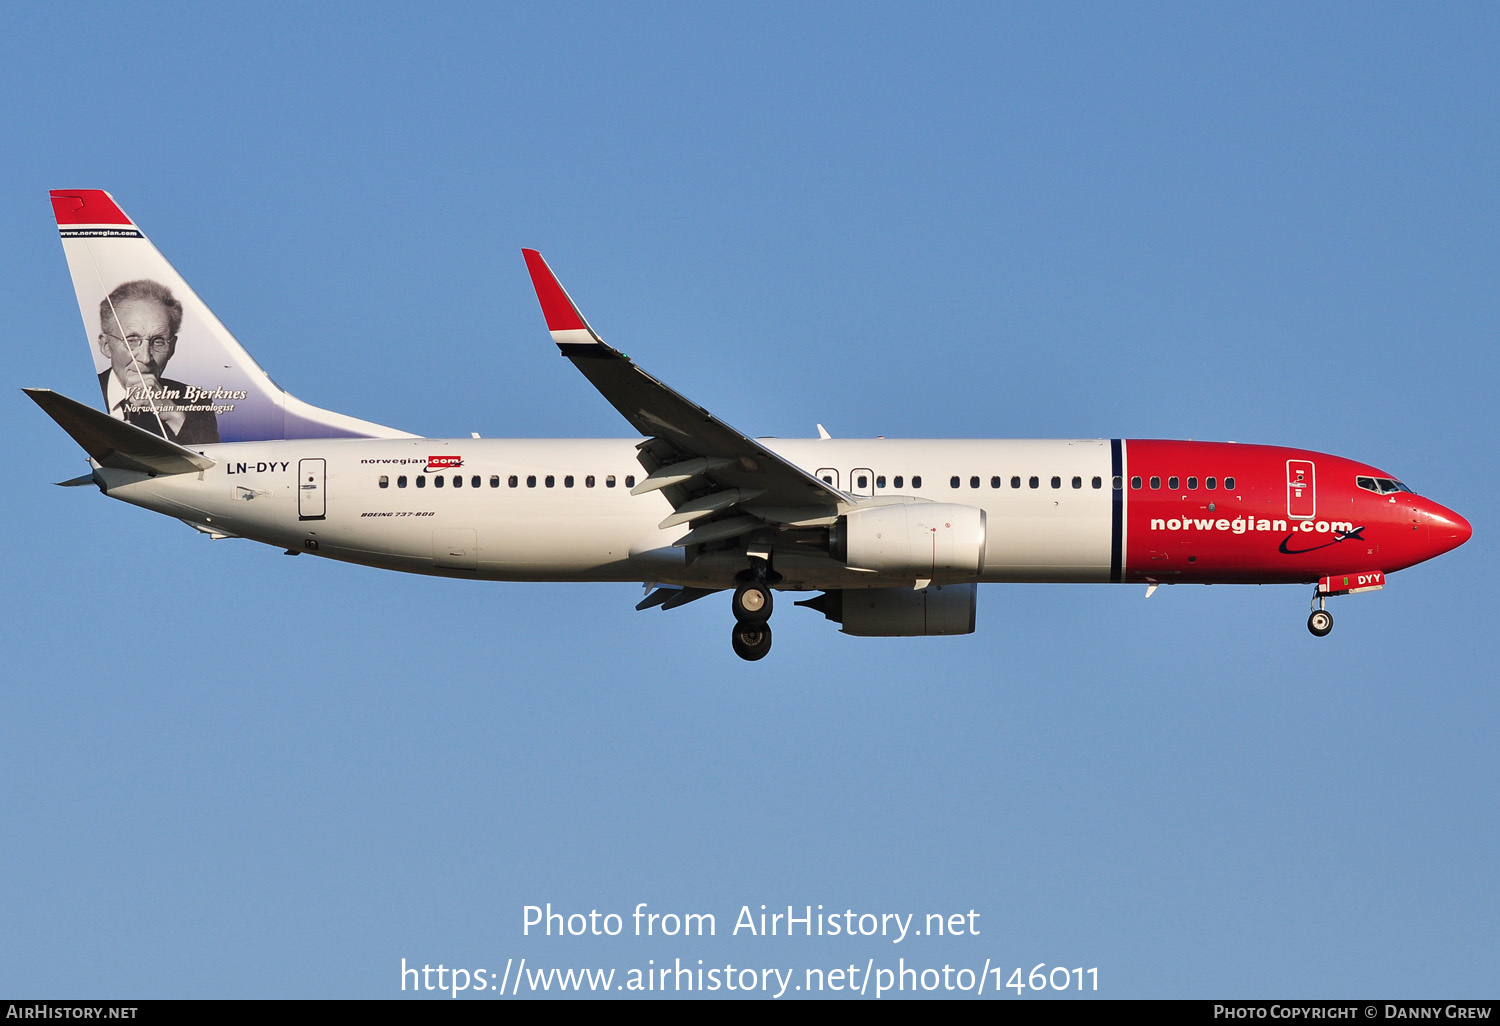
164, 361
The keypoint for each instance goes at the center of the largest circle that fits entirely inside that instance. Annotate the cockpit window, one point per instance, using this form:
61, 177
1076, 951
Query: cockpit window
1381, 485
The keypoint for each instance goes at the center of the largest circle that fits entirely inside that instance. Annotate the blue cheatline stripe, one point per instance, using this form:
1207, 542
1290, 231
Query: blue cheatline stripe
1117, 511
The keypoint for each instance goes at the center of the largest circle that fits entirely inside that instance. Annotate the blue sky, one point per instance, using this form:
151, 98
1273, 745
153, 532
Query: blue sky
253, 776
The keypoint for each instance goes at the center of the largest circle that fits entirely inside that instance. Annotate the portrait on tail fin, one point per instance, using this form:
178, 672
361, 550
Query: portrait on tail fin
138, 325
139, 315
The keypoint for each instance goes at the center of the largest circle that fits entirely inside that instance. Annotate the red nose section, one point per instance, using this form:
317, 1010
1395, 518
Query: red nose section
1448, 529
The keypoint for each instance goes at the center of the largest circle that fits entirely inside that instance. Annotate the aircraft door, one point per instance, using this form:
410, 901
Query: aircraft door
311, 488
1301, 490
828, 476
861, 481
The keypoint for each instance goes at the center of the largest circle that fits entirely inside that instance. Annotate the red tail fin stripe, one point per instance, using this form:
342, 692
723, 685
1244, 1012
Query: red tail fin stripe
86, 206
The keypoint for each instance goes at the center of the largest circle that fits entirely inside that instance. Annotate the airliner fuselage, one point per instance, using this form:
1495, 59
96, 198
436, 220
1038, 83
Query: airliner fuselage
1076, 510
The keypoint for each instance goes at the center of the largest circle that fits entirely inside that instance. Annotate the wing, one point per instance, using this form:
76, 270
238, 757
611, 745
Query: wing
720, 479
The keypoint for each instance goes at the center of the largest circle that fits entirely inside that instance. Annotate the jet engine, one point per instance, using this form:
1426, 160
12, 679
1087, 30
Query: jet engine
900, 612
917, 539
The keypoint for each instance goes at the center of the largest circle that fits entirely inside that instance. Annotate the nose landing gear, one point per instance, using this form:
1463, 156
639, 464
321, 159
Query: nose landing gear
1321, 620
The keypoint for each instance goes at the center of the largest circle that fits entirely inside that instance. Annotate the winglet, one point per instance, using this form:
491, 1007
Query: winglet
563, 319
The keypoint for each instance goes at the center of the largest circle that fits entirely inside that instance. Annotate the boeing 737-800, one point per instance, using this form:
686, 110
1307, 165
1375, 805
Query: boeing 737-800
895, 535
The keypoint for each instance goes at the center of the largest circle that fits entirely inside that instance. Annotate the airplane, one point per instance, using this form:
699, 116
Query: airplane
894, 536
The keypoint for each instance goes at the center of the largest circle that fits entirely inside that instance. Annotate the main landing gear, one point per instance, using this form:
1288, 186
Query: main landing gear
1321, 620
751, 606
751, 640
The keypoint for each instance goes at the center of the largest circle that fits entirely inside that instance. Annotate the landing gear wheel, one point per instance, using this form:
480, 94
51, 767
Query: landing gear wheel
751, 640
752, 603
1320, 623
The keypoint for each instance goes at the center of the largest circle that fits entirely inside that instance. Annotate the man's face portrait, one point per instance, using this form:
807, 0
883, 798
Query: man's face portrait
138, 341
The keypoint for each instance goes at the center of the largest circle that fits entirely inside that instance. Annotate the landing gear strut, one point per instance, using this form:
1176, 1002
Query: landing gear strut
1321, 620
751, 606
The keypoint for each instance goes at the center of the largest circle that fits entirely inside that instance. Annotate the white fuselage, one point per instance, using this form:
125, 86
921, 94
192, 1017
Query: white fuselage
561, 509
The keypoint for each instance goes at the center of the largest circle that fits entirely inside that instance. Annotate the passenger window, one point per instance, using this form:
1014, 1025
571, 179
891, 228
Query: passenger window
1015, 482
1098, 482
494, 480
897, 480
514, 481
474, 481
1035, 482
995, 481
550, 481
422, 482
530, 480
864, 481
588, 482
568, 481
1135, 482
1192, 483
916, 480
1172, 483
879, 480
437, 481
828, 479
629, 480
1056, 481
1229, 484
1210, 483
1156, 482
1077, 482
953, 481
609, 480
401, 481
974, 481
458, 482
1117, 482
385, 482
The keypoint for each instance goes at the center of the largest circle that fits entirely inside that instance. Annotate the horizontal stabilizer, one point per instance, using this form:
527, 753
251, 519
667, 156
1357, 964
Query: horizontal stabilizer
115, 443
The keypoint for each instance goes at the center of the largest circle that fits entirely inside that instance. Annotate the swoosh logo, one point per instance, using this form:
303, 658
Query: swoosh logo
1357, 534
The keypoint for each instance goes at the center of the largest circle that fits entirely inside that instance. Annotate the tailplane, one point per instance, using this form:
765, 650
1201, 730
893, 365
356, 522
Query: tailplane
140, 315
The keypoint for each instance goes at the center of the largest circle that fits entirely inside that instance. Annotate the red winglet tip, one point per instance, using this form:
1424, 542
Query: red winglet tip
86, 206
557, 308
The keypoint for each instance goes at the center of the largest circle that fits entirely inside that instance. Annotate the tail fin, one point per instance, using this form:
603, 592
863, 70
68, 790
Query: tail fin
139, 314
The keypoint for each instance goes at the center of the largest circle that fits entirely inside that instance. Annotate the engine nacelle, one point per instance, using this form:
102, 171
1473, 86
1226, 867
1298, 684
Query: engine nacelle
942, 609
915, 539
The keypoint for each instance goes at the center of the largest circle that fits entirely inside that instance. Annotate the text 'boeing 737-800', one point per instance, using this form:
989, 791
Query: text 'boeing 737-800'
895, 535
